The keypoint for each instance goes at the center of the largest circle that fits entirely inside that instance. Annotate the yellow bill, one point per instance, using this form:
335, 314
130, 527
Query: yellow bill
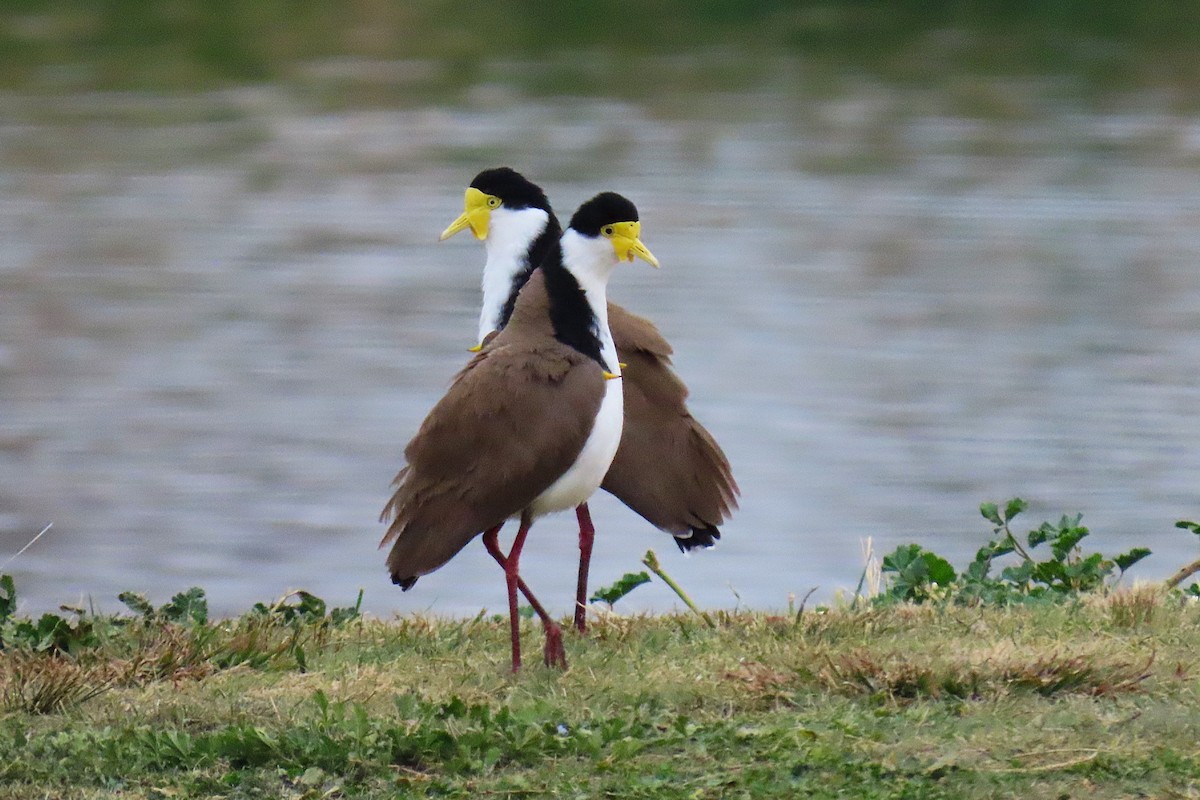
626, 243
477, 212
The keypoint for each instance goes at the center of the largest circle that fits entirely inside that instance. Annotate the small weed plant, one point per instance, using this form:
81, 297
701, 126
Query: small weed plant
1048, 563
57, 661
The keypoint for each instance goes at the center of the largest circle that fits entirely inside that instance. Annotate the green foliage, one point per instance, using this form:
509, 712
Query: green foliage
50, 633
1188, 525
173, 44
138, 604
190, 607
8, 597
627, 583
453, 736
178, 637
917, 575
308, 609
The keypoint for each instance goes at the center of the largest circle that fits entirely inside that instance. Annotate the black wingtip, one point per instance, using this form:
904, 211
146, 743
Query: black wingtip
702, 538
404, 583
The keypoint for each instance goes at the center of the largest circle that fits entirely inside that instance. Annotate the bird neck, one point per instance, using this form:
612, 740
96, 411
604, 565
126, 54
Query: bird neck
518, 242
578, 287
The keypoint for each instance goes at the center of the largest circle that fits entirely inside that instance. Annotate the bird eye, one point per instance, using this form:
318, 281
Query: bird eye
608, 230
493, 202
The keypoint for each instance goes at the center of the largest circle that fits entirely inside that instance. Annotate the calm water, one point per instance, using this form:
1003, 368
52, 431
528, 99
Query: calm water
223, 315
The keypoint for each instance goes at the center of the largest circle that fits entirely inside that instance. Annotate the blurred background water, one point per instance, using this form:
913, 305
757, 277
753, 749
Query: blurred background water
916, 256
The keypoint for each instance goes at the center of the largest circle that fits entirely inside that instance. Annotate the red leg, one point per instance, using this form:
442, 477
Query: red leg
491, 541
511, 565
587, 534
553, 654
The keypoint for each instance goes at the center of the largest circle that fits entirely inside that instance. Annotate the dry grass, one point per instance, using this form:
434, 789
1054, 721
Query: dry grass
37, 683
968, 677
1134, 607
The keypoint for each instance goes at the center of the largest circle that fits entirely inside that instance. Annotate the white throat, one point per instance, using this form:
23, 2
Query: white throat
509, 235
591, 261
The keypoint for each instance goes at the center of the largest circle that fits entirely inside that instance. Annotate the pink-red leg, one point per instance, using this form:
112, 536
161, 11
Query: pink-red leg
587, 534
491, 540
553, 654
511, 576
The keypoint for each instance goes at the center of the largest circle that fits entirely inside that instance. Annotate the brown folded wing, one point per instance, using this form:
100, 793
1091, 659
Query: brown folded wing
668, 468
513, 421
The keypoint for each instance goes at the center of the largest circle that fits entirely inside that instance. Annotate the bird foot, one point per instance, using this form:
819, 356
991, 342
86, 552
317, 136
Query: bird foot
554, 654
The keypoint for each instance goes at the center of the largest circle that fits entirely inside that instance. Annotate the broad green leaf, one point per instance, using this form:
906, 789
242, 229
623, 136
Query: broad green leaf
939, 569
1066, 541
137, 603
1128, 559
187, 606
1041, 534
627, 583
1014, 507
901, 557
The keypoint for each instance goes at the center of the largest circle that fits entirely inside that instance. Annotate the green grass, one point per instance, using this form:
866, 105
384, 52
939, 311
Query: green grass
1092, 696
601, 48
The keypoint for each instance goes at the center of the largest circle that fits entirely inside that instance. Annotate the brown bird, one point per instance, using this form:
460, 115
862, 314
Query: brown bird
668, 469
532, 423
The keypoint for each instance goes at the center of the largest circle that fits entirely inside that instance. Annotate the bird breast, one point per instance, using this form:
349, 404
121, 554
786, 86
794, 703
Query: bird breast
584, 477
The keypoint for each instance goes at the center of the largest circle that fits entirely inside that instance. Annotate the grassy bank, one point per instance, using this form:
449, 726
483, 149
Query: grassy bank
1095, 695
591, 48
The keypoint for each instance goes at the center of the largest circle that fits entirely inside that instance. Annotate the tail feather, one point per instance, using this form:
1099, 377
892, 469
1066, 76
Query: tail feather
702, 538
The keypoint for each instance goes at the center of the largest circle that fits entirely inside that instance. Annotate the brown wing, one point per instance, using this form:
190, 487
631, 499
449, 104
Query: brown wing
668, 468
634, 334
513, 421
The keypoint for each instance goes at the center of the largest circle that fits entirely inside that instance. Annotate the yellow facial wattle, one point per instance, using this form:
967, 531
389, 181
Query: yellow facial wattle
626, 242
477, 213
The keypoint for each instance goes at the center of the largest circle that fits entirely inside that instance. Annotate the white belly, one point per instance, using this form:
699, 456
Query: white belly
584, 477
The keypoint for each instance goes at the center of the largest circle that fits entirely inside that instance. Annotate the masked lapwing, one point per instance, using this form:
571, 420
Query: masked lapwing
668, 469
531, 424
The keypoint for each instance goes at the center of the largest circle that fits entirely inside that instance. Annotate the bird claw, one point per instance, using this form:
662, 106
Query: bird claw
554, 654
